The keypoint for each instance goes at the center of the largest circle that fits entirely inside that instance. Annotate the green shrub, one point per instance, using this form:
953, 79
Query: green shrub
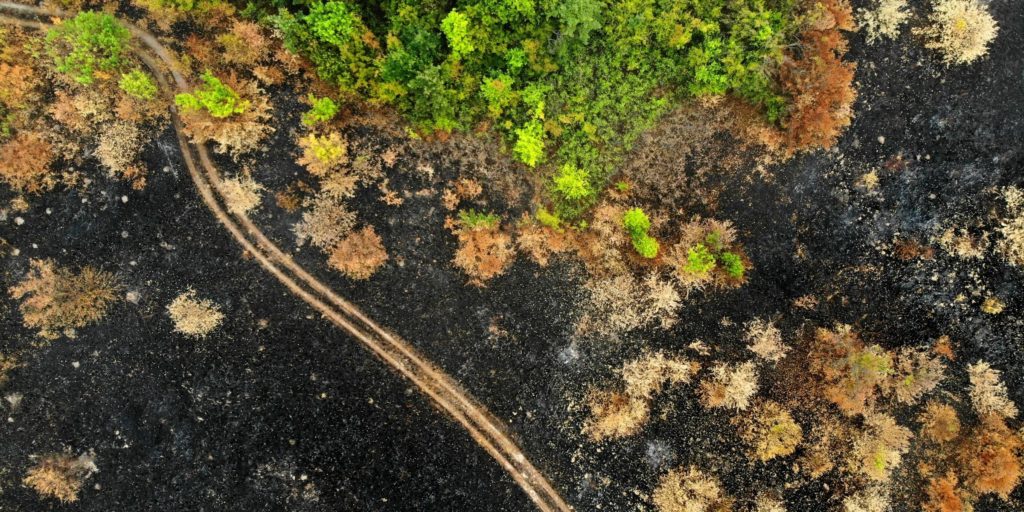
637, 225
473, 219
646, 246
216, 98
733, 265
138, 84
699, 260
548, 219
322, 110
87, 43
636, 222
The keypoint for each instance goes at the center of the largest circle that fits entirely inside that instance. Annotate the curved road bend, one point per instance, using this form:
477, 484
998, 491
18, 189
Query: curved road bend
481, 425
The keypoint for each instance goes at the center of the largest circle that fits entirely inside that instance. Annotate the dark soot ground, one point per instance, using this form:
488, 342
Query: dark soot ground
296, 416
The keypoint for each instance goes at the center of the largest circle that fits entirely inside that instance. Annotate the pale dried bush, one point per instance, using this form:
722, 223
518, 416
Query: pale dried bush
770, 431
872, 499
962, 243
57, 299
620, 303
60, 476
359, 254
915, 374
730, 385
483, 253
616, 414
325, 223
884, 19
688, 489
117, 150
1012, 227
939, 422
960, 29
988, 392
767, 503
765, 339
194, 317
880, 447
25, 163
241, 194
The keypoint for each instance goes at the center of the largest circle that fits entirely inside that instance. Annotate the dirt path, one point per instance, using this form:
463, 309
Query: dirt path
485, 429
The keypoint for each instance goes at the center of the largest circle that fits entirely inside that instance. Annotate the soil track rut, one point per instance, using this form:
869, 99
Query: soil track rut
483, 427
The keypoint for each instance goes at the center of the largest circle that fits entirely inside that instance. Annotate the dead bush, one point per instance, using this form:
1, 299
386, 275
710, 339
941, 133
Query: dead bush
60, 475
194, 317
883, 19
939, 422
765, 340
880, 446
915, 374
1012, 227
325, 223
55, 299
769, 431
241, 194
960, 29
616, 414
118, 149
990, 458
541, 243
730, 385
688, 489
817, 80
25, 163
483, 253
988, 392
18, 85
851, 373
359, 254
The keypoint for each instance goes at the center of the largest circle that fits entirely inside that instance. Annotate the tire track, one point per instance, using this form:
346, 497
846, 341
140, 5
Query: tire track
445, 392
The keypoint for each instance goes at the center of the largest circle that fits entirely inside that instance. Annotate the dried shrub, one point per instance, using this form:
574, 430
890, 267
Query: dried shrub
620, 303
765, 340
325, 223
688, 489
851, 374
1012, 227
879, 448
57, 299
25, 162
241, 194
988, 392
730, 385
7, 363
770, 431
60, 475
990, 458
359, 254
540, 243
819, 83
916, 373
484, 251
960, 29
884, 19
872, 499
939, 422
117, 150
235, 134
616, 414
18, 85
829, 440
942, 495
244, 45
194, 317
